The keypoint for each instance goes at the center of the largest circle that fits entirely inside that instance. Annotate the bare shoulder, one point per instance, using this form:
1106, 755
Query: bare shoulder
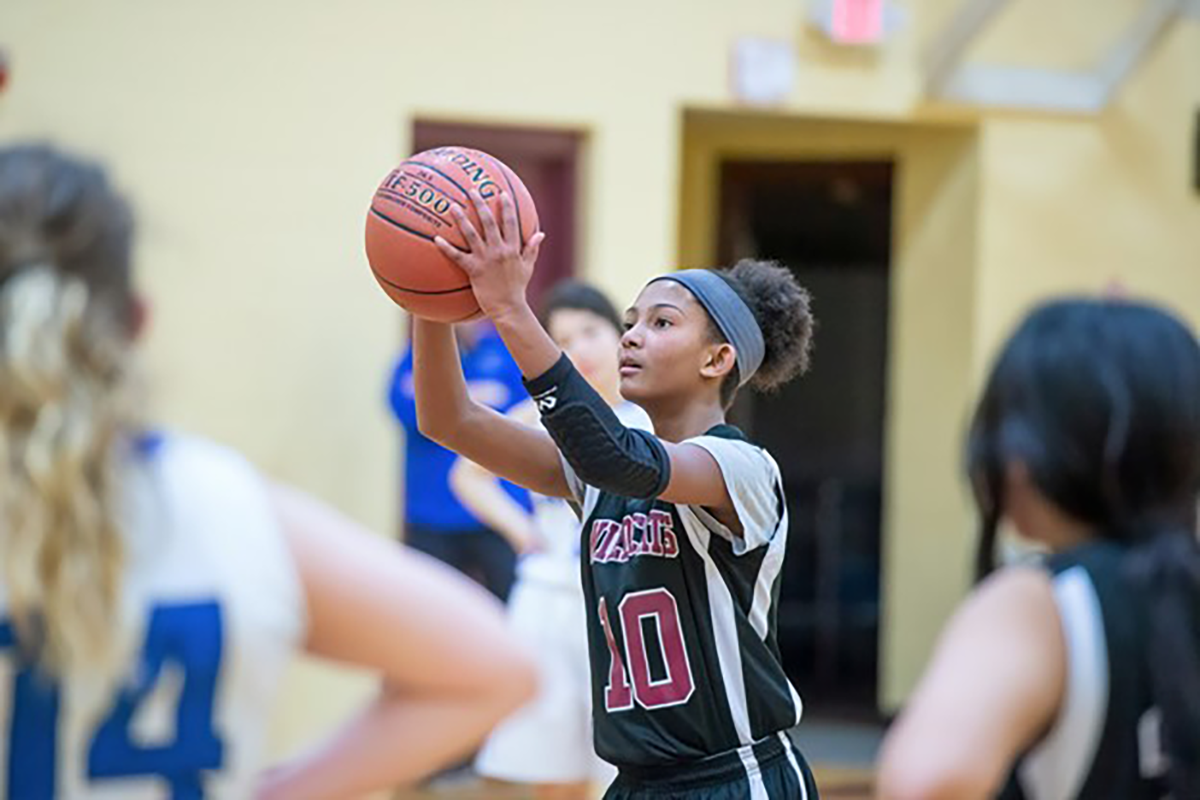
1022, 594
992, 688
1013, 613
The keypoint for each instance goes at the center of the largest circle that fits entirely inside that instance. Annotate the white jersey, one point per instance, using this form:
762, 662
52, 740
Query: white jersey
556, 561
213, 610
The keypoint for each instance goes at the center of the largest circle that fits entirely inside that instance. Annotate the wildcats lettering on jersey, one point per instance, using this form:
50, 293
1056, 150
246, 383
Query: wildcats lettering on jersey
638, 534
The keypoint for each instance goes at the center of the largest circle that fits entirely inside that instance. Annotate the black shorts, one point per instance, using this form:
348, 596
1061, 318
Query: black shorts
772, 769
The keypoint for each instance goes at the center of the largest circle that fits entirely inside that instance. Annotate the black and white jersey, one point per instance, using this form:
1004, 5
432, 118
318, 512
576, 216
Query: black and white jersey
682, 615
1105, 742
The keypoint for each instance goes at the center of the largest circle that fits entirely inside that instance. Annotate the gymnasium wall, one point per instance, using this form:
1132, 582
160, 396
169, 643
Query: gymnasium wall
993, 212
250, 136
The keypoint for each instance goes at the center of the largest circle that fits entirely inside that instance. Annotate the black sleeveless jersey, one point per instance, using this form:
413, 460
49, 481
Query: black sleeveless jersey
682, 615
1105, 744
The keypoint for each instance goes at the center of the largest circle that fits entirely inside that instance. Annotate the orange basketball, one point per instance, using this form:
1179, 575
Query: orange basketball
412, 206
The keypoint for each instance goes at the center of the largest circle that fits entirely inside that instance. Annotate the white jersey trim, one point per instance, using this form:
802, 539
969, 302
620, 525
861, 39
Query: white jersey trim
1058, 767
724, 621
768, 573
746, 469
725, 633
772, 565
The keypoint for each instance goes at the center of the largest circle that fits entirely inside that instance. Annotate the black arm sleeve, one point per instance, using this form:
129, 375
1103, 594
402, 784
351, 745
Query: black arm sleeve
602, 451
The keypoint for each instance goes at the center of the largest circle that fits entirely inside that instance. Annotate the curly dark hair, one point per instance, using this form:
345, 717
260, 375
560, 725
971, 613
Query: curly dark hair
783, 309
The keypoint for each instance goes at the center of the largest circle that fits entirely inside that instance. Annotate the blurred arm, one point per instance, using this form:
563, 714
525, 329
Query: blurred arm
450, 670
480, 493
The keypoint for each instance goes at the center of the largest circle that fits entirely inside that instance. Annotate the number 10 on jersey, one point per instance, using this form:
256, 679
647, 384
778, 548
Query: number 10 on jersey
629, 673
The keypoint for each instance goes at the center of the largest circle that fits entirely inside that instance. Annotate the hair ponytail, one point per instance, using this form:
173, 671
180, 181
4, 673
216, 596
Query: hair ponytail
64, 408
1165, 571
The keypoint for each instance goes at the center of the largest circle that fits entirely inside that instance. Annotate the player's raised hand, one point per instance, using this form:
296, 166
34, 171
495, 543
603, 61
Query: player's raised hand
498, 265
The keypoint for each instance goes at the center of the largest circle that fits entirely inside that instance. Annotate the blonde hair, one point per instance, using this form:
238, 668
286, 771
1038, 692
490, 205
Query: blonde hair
65, 407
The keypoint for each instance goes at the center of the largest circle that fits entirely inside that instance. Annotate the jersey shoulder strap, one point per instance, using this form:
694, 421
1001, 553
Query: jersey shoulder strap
726, 431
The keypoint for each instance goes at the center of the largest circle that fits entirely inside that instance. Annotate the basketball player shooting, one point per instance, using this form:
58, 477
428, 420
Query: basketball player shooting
686, 528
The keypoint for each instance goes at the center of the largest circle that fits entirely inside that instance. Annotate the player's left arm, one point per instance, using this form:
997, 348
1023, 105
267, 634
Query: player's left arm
604, 453
993, 688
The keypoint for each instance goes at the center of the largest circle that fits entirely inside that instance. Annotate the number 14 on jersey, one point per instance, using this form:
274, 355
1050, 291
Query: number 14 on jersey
186, 638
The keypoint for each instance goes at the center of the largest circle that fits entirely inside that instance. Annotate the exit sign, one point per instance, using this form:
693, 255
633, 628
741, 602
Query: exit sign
856, 22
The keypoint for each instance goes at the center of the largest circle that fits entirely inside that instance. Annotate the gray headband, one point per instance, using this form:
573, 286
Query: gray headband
733, 317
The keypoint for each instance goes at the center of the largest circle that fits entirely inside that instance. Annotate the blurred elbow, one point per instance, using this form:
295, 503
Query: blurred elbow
444, 425
427, 426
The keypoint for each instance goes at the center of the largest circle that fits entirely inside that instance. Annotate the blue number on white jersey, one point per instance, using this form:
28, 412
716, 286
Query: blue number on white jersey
187, 636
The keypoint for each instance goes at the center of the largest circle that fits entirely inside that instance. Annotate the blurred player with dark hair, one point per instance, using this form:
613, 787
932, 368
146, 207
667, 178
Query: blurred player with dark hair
1078, 678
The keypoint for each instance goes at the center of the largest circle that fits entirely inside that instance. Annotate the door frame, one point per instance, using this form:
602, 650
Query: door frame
927, 516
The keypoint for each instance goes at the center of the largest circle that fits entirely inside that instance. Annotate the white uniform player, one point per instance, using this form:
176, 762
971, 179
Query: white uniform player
153, 589
550, 739
213, 609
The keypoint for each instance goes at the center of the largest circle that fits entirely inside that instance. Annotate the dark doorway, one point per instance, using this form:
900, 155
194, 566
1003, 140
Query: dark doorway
830, 222
547, 161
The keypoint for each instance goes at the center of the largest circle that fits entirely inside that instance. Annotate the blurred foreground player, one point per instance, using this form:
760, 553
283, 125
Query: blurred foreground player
1076, 679
153, 588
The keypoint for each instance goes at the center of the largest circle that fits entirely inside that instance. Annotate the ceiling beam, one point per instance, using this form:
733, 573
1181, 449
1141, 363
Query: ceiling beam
950, 77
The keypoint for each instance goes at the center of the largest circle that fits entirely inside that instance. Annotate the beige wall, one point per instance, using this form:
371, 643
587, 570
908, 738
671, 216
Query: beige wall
1071, 204
251, 134
991, 216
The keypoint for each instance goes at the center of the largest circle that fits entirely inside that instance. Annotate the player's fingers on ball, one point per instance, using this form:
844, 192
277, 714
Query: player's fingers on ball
470, 233
451, 252
508, 217
491, 231
534, 246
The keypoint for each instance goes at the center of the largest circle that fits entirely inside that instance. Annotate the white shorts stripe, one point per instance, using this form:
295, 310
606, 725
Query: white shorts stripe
790, 749
758, 789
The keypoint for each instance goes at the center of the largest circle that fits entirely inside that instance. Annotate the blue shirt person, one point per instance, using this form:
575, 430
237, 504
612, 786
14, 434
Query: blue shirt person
434, 520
